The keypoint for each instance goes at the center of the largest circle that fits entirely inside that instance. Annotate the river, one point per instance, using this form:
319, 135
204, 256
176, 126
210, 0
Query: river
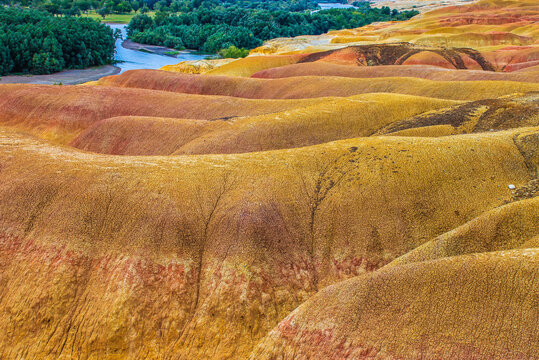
128, 60
134, 59
326, 6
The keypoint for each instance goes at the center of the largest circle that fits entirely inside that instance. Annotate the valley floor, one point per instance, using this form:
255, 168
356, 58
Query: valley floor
66, 77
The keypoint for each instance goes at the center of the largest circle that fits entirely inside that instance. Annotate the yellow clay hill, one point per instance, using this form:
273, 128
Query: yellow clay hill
368, 193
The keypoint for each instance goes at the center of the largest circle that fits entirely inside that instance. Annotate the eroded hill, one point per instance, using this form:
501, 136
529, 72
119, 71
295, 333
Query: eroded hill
448, 309
265, 230
372, 194
312, 86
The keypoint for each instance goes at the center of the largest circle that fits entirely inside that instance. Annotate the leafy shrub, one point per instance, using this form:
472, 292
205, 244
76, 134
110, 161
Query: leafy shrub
233, 52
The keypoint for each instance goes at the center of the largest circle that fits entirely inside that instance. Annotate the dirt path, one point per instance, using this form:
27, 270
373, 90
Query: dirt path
66, 77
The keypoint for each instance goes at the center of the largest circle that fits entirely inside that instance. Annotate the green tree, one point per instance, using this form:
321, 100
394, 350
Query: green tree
212, 25
140, 23
44, 63
84, 5
6, 62
233, 52
104, 11
37, 42
123, 7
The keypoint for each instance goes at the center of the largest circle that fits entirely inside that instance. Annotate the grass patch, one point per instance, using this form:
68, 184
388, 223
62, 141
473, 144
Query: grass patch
113, 18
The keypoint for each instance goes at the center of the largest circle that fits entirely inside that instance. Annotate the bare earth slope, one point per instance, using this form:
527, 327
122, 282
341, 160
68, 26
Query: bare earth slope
312, 87
244, 221
419, 71
141, 135
503, 32
333, 119
508, 227
506, 112
368, 193
481, 306
61, 112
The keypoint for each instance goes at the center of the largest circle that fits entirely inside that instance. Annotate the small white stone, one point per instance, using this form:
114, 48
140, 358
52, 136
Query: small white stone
511, 186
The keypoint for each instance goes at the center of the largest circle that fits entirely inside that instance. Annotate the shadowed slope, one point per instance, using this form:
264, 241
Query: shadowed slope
312, 86
508, 58
508, 227
199, 256
481, 306
477, 116
334, 119
402, 54
417, 71
61, 112
136, 135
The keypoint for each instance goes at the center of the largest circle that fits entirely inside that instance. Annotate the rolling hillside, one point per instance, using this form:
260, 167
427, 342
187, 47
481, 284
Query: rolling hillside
312, 86
369, 193
60, 204
438, 316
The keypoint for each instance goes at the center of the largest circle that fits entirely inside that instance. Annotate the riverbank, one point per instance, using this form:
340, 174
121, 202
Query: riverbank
152, 49
158, 50
65, 77
135, 56
130, 56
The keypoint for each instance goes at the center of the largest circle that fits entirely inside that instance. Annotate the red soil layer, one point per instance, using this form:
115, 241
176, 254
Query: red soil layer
94, 305
422, 72
521, 66
433, 54
400, 53
490, 10
336, 119
480, 306
61, 112
293, 88
488, 18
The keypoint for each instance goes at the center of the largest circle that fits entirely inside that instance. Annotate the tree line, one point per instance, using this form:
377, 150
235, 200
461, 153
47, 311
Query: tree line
210, 29
36, 42
106, 7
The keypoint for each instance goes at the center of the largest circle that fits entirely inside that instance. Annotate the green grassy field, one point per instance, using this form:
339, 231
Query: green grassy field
113, 18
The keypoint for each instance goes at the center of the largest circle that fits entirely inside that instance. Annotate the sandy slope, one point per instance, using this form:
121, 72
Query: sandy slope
118, 240
349, 201
313, 86
480, 306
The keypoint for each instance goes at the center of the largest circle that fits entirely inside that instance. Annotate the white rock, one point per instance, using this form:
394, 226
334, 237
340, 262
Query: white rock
511, 186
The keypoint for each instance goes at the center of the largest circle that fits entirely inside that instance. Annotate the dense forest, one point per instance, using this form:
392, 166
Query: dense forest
211, 29
36, 42
46, 36
106, 7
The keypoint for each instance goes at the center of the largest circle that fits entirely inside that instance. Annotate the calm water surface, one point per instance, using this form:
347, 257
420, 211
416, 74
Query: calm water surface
325, 6
134, 59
